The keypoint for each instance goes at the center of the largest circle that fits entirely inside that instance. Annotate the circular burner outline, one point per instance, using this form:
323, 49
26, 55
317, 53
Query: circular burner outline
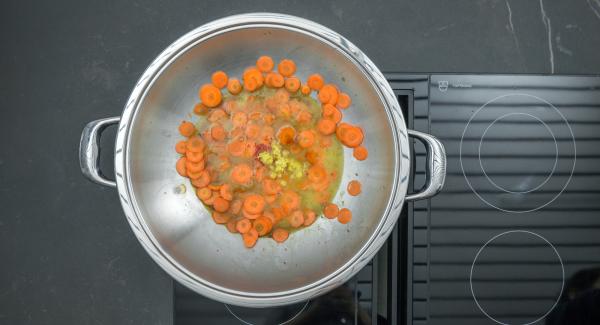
562, 267
574, 153
286, 322
555, 156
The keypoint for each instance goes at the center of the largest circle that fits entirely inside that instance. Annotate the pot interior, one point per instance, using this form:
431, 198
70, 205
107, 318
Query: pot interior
180, 225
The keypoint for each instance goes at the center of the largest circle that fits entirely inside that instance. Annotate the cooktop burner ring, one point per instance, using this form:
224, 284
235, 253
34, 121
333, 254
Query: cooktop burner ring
562, 267
555, 156
243, 321
571, 171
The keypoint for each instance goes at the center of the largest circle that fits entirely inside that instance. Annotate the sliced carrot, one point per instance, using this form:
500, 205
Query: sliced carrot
194, 167
251, 85
340, 129
193, 175
352, 136
333, 113
271, 186
263, 225
344, 101
214, 187
326, 126
331, 211
344, 216
304, 117
180, 147
326, 142
313, 156
265, 63
195, 144
220, 204
266, 135
360, 153
234, 86
203, 180
271, 198
204, 193
236, 147
286, 134
275, 80
200, 109
290, 200
305, 90
243, 226
269, 118
229, 106
259, 172
278, 213
253, 79
286, 67
220, 218
280, 235
226, 192
219, 79
187, 129
328, 94
315, 81
231, 225
250, 238
194, 156
250, 149
255, 115
295, 149
292, 84
216, 115
252, 131
270, 216
317, 174
241, 174
217, 132
321, 186
250, 216
282, 96
180, 166
354, 188
210, 95
309, 217
254, 204
236, 206
296, 218
239, 118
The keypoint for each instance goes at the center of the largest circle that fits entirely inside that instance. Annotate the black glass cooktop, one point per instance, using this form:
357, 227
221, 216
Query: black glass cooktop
514, 236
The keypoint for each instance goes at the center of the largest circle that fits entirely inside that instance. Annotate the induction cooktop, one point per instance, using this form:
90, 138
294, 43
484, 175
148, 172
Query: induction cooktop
513, 237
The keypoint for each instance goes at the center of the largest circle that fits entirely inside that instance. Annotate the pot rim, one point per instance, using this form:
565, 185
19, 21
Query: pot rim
370, 247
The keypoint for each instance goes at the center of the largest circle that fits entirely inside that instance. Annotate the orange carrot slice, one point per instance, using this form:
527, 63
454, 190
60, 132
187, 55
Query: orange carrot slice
219, 79
344, 216
354, 188
210, 95
280, 235
234, 86
187, 129
331, 211
286, 67
265, 63
315, 81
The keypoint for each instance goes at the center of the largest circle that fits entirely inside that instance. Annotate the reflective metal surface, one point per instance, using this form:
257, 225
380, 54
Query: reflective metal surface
89, 150
178, 232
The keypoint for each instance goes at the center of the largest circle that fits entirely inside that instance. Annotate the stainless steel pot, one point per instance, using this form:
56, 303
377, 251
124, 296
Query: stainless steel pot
174, 227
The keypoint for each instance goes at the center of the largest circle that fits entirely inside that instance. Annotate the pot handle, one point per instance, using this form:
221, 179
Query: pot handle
89, 150
436, 166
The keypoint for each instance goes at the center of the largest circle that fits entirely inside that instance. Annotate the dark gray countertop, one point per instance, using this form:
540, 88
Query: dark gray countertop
68, 255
